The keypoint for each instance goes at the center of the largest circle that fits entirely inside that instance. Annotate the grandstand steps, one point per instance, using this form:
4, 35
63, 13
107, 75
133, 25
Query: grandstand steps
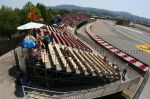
79, 62
38, 95
46, 60
65, 40
54, 58
84, 63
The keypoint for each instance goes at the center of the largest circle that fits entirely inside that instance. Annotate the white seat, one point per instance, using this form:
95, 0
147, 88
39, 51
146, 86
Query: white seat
54, 57
83, 67
92, 65
62, 58
88, 66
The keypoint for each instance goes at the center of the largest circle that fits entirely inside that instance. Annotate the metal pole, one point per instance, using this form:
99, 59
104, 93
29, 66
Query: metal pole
24, 92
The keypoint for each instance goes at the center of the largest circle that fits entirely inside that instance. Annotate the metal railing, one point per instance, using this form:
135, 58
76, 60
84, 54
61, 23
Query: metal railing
81, 94
7, 45
141, 87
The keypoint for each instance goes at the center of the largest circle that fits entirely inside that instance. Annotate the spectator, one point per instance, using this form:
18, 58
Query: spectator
18, 72
34, 32
47, 38
24, 80
115, 67
105, 59
67, 52
124, 71
51, 37
46, 42
34, 51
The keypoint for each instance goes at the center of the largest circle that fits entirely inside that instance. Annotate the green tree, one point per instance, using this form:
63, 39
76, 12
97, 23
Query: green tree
28, 7
63, 12
9, 20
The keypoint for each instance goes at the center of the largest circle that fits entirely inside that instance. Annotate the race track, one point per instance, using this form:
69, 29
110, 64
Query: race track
129, 40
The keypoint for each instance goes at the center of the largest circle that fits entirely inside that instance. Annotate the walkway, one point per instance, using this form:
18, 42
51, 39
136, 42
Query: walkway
8, 88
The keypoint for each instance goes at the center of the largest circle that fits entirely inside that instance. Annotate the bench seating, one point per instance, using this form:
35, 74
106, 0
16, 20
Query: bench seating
54, 57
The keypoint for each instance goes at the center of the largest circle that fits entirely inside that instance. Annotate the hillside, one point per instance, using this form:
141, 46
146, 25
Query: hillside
103, 12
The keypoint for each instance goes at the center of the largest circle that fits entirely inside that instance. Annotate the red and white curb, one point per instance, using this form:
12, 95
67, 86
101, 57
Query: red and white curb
116, 51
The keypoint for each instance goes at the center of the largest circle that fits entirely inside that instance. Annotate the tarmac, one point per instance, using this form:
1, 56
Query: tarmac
9, 90
125, 39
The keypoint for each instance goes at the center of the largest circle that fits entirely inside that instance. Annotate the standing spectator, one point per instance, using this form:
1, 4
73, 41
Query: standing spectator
34, 32
105, 59
46, 42
124, 71
51, 37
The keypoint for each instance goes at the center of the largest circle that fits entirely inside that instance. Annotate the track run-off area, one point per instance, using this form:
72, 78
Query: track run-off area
130, 40
133, 41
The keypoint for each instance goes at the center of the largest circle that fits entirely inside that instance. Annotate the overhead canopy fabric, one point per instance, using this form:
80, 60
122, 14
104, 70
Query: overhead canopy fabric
30, 25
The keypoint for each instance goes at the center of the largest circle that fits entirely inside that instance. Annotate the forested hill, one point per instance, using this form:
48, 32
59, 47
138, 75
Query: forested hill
103, 12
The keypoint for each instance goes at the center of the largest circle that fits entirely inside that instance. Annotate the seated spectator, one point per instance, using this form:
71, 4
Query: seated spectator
115, 67
67, 52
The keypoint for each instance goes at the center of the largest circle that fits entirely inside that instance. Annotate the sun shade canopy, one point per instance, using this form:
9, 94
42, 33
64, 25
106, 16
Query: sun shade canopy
30, 25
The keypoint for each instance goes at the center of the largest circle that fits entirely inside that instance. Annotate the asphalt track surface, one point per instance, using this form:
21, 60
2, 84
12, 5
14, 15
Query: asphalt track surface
124, 38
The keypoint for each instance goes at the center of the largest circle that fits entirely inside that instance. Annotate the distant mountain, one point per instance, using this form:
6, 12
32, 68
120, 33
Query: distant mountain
103, 12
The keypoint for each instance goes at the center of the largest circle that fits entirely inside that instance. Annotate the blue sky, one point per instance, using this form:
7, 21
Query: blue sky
137, 7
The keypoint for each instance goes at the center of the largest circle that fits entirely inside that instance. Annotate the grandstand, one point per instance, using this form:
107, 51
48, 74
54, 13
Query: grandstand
73, 19
71, 68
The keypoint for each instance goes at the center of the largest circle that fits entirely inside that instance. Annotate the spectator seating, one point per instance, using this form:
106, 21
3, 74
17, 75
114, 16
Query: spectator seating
76, 61
68, 41
72, 19
53, 29
70, 55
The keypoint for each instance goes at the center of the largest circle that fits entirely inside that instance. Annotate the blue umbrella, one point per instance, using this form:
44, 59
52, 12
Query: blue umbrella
28, 43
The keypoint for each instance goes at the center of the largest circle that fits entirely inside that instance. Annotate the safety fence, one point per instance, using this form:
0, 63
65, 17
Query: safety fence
10, 44
95, 46
34, 93
141, 87
135, 63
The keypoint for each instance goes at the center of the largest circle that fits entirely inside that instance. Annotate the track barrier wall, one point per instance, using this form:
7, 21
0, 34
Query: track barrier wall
134, 63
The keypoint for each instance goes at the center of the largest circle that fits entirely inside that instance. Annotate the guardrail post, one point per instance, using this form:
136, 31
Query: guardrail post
139, 90
118, 87
24, 92
103, 91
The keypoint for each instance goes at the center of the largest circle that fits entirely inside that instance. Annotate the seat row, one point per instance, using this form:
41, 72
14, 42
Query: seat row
76, 61
54, 29
69, 40
73, 19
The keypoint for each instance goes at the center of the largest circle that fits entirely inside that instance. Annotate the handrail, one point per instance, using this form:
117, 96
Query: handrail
82, 92
42, 89
142, 85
